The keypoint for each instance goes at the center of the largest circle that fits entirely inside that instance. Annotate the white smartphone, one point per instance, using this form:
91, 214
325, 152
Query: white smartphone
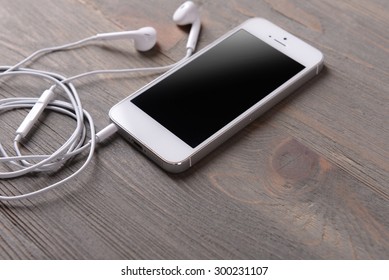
187, 112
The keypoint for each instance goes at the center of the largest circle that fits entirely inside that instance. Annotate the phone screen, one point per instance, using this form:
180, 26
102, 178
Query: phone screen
216, 87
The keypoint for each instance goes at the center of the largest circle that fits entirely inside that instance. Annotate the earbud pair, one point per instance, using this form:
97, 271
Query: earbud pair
145, 38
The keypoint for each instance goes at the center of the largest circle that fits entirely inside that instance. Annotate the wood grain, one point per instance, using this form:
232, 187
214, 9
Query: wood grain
308, 180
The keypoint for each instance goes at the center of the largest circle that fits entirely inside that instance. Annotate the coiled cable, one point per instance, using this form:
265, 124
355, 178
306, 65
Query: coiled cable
21, 164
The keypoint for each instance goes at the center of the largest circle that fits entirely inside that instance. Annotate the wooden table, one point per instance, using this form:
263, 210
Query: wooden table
308, 180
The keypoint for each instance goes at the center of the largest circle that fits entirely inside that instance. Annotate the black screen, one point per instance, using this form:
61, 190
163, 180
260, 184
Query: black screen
216, 87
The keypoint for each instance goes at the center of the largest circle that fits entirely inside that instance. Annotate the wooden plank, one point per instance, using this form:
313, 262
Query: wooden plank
308, 180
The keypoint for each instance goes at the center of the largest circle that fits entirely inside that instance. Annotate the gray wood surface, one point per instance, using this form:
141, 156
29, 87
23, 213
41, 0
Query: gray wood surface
308, 180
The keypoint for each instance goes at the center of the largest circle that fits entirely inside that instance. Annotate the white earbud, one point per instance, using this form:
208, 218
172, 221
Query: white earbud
144, 38
188, 13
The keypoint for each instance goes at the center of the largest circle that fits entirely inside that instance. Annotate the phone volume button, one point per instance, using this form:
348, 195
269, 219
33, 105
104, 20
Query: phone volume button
137, 145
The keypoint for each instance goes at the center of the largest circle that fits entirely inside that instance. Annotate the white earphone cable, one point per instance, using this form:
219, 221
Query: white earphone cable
76, 144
